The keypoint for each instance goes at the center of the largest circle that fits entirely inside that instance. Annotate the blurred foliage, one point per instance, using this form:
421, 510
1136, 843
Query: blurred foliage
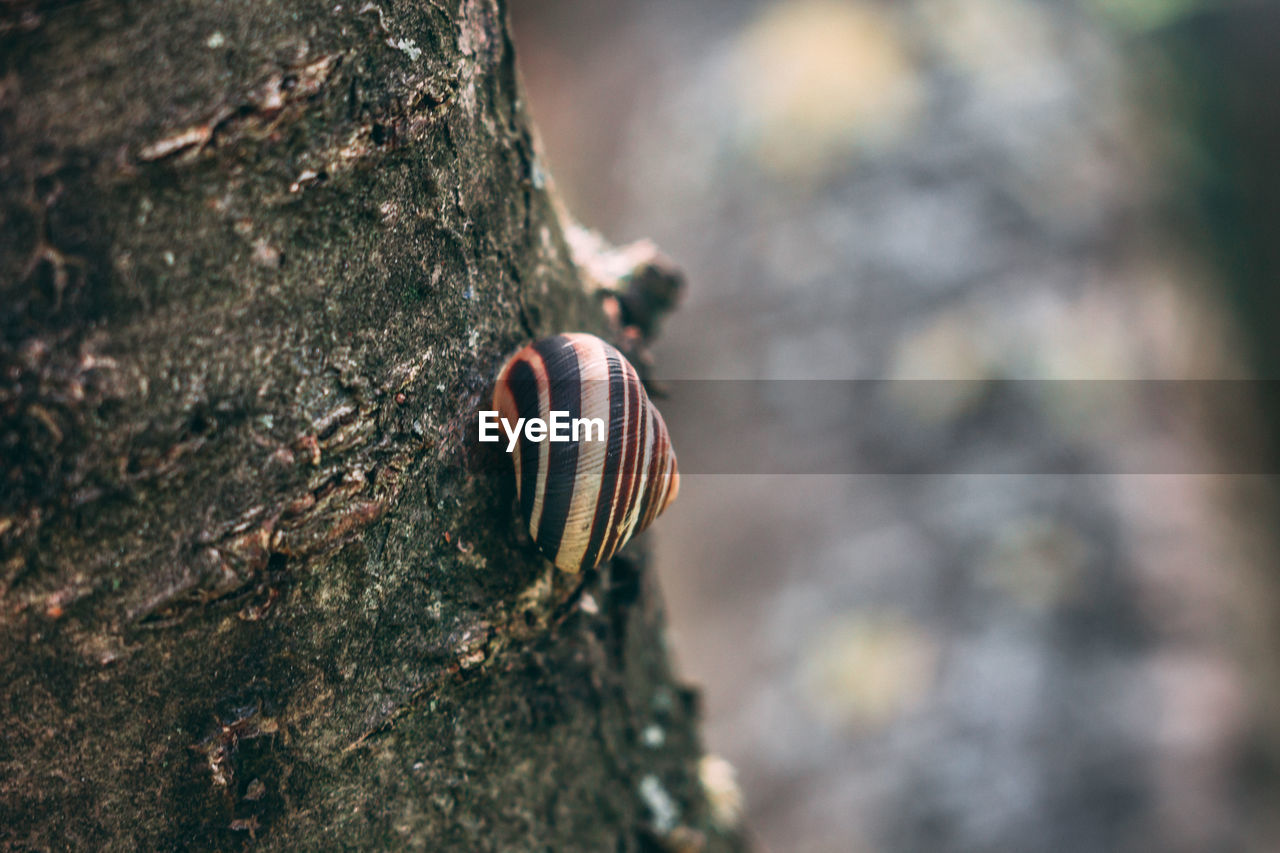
1146, 15
1222, 67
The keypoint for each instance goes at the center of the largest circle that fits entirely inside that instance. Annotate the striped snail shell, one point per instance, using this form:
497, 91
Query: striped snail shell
584, 499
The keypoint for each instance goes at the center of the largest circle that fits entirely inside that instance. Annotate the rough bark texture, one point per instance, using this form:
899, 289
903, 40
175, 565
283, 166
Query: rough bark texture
259, 262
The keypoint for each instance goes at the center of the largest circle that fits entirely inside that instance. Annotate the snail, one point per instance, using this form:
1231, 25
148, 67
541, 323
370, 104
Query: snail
583, 499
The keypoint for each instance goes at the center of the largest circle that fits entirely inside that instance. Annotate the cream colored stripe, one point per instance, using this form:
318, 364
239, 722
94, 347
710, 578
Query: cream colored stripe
642, 475
544, 449
626, 499
657, 485
621, 485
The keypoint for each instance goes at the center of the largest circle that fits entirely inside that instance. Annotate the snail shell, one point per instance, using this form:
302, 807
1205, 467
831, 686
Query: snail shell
584, 499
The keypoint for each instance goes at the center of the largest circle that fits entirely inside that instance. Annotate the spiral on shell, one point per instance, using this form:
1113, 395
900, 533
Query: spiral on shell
582, 500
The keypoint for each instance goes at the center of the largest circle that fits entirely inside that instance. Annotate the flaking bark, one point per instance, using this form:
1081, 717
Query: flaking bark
260, 262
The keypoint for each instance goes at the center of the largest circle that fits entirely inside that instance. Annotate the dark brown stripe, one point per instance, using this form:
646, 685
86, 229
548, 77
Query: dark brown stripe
659, 484
612, 459
657, 464
626, 455
522, 383
561, 361
634, 433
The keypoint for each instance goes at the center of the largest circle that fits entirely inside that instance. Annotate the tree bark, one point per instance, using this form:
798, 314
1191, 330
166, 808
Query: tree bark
260, 263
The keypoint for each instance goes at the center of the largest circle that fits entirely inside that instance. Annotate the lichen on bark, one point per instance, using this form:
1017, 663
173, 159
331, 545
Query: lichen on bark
259, 263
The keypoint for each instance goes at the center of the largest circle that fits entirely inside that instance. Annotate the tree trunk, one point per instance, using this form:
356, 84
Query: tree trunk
260, 263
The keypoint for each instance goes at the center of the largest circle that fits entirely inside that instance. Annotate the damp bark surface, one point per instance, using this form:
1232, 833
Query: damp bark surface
259, 263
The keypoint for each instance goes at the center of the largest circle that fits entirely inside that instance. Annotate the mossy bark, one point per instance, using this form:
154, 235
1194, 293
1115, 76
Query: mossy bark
259, 262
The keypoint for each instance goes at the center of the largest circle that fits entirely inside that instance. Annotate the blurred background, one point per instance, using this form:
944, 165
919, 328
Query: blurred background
1060, 639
